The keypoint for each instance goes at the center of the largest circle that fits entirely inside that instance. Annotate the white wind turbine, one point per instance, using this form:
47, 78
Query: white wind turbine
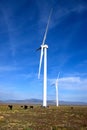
43, 49
56, 85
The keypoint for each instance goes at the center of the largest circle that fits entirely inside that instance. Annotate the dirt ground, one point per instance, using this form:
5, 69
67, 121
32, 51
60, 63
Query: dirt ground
39, 118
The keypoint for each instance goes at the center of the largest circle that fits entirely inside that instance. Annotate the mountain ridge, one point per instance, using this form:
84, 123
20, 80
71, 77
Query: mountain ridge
40, 101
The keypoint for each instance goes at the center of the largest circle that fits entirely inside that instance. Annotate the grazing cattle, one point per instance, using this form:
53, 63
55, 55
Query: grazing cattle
21, 106
44, 106
25, 107
10, 106
31, 107
71, 108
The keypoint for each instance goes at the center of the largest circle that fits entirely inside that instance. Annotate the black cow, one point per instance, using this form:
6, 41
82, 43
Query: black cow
44, 106
10, 106
71, 108
25, 107
31, 107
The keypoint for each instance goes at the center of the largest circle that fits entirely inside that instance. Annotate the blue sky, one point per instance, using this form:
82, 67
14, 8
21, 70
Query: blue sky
22, 27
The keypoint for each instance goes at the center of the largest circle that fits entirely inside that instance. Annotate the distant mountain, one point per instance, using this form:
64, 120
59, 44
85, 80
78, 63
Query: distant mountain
39, 101
26, 101
72, 103
1, 101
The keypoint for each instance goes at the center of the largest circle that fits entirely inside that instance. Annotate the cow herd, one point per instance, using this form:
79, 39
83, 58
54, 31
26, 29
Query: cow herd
24, 107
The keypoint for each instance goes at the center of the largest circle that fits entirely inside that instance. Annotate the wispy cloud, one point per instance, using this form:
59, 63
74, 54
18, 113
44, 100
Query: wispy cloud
8, 68
7, 13
82, 64
27, 76
7, 92
62, 11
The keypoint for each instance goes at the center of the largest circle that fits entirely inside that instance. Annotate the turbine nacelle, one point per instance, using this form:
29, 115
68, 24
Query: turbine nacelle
44, 46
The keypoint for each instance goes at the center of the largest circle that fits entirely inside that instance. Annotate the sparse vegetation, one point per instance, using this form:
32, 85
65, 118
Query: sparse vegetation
39, 118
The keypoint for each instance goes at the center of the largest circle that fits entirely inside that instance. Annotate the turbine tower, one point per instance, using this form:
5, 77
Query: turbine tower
43, 49
56, 85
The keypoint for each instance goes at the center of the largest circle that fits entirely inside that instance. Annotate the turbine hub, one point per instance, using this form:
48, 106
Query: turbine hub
44, 46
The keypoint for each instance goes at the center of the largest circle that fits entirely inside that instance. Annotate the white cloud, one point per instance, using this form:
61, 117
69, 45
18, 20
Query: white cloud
71, 83
70, 88
70, 79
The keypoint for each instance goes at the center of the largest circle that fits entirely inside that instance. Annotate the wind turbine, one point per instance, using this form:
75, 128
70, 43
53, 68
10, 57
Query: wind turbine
43, 49
56, 85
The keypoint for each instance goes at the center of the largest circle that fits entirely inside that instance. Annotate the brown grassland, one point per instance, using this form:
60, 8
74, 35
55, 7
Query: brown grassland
52, 118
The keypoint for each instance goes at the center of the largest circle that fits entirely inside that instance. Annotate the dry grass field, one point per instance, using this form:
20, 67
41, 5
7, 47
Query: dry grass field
52, 118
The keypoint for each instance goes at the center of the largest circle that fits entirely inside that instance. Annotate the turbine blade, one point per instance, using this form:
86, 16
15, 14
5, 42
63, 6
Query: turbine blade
58, 76
57, 79
41, 56
38, 49
47, 28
